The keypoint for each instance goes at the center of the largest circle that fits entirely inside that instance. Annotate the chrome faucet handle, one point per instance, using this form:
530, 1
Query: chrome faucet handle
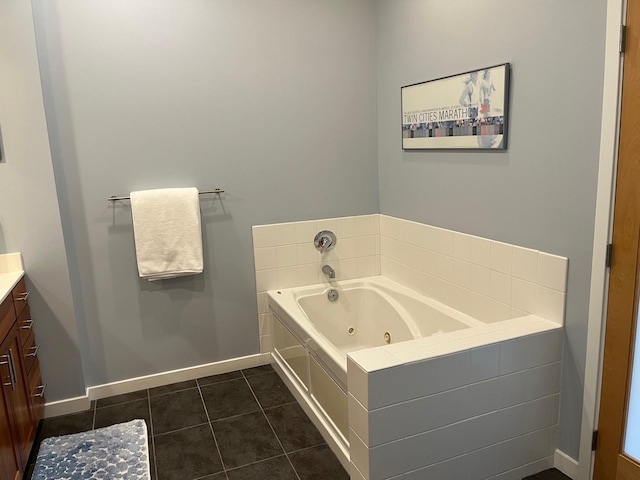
325, 240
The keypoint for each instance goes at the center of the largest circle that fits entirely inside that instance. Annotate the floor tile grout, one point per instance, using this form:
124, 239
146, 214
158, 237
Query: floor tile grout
278, 406
255, 374
182, 429
93, 422
271, 427
234, 416
173, 391
218, 383
153, 441
256, 462
215, 440
309, 447
120, 404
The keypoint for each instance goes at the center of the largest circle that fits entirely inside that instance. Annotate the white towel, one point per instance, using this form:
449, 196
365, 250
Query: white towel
167, 232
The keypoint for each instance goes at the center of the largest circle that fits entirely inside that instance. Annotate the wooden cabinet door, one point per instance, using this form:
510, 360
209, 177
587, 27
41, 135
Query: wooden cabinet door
9, 467
22, 414
9, 461
17, 396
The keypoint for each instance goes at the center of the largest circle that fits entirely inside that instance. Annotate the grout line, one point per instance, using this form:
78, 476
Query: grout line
181, 429
281, 405
153, 439
119, 404
309, 447
235, 416
215, 440
255, 374
220, 383
174, 391
209, 475
271, 427
255, 463
216, 383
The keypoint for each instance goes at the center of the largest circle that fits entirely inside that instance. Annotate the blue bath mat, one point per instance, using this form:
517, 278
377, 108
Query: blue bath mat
118, 452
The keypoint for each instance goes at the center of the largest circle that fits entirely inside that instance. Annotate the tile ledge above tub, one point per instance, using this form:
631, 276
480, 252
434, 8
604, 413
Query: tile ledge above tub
11, 271
427, 348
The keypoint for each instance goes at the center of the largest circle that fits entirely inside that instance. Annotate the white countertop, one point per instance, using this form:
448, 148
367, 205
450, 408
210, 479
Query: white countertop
11, 271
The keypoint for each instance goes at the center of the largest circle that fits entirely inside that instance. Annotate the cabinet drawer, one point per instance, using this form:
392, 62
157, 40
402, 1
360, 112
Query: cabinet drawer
29, 352
25, 325
20, 296
7, 317
36, 392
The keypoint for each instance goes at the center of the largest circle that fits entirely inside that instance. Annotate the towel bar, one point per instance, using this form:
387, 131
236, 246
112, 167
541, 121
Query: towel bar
113, 198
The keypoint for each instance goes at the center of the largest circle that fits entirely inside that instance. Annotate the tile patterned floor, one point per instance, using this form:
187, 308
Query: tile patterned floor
552, 474
242, 425
235, 426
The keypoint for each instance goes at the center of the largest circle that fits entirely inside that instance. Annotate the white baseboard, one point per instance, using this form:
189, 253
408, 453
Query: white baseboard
173, 376
566, 464
78, 404
66, 406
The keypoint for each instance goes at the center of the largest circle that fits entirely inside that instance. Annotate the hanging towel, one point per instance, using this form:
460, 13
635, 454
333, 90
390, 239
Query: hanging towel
167, 232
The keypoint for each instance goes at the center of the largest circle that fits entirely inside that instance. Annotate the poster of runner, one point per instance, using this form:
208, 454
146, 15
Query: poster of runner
467, 111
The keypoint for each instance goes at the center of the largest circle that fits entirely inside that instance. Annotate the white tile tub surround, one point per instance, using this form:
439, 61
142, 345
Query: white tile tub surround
489, 280
467, 411
285, 256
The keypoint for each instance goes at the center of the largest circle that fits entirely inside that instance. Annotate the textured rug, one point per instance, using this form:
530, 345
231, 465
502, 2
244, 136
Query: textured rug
118, 452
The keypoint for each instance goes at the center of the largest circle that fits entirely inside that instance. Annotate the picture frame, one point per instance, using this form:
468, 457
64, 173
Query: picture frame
463, 111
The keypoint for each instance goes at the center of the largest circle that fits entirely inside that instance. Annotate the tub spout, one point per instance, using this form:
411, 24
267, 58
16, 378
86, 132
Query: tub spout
328, 271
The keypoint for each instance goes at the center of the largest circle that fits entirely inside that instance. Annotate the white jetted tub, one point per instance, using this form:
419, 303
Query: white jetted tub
369, 312
313, 335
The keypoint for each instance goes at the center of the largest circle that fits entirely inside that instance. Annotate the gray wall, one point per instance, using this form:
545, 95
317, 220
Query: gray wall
541, 192
29, 215
274, 101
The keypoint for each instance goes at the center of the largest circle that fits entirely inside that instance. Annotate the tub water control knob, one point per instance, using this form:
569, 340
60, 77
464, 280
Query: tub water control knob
324, 241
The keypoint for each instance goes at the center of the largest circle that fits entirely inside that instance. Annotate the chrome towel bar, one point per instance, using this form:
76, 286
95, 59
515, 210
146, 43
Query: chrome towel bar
113, 198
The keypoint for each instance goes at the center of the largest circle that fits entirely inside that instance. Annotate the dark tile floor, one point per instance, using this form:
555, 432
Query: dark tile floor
552, 474
234, 426
241, 425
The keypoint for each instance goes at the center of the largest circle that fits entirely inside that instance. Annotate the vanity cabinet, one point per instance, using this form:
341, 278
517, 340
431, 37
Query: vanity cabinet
9, 460
22, 392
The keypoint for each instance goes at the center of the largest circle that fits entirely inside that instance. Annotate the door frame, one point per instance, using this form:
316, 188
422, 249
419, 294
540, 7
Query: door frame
609, 135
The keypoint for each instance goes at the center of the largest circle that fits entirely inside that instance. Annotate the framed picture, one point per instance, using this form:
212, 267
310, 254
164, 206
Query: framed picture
464, 111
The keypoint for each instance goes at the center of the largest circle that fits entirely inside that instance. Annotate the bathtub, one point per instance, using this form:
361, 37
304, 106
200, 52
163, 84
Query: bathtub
384, 370
313, 335
369, 312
